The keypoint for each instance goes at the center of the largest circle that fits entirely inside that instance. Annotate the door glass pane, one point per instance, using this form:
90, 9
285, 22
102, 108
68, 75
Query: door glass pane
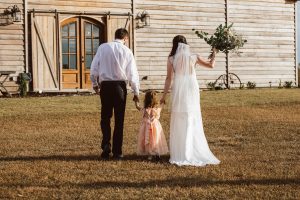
95, 31
88, 30
72, 29
65, 45
65, 61
95, 45
72, 45
88, 45
73, 61
65, 31
88, 61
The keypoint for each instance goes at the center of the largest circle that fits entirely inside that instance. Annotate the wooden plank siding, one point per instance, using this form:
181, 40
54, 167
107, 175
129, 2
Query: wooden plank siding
268, 25
43, 52
12, 48
67, 10
171, 18
269, 55
118, 6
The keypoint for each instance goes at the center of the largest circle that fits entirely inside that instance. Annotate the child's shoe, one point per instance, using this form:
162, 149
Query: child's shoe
157, 158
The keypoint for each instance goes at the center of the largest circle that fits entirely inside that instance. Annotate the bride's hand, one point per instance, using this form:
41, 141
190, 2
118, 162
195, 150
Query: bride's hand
214, 52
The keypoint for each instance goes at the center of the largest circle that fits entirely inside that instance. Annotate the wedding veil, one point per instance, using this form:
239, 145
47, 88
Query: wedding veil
185, 89
183, 60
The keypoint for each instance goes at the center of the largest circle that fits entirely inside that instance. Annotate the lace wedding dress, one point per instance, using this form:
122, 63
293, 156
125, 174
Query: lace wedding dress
188, 145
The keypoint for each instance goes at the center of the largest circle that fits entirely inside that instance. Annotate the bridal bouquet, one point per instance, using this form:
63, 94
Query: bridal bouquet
225, 39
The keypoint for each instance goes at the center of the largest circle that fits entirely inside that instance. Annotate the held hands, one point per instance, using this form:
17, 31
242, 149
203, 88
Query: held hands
136, 98
137, 105
163, 100
136, 101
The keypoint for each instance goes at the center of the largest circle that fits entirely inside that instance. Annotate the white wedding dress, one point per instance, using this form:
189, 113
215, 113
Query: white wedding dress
188, 145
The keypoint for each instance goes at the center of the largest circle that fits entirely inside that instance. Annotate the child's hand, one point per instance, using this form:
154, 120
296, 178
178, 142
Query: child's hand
161, 105
138, 106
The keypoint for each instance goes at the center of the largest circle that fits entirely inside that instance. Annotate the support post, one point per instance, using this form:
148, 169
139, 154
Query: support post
227, 54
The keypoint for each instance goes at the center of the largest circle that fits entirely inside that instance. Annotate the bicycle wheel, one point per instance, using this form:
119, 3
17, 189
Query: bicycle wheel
234, 81
220, 82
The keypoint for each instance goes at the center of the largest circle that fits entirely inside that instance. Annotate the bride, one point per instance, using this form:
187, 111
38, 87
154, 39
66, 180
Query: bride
188, 145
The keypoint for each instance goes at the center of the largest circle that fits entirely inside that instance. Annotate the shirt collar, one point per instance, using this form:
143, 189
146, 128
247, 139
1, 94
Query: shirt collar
119, 41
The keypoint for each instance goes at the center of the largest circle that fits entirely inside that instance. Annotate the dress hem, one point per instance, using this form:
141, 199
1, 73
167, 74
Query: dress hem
197, 164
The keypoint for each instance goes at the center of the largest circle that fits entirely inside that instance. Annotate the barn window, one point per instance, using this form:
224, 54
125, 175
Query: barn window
69, 46
92, 41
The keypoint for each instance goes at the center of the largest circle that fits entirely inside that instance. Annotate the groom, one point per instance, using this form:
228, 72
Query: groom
112, 67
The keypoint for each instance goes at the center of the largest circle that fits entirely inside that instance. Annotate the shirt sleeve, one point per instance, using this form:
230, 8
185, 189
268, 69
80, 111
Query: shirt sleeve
94, 76
132, 74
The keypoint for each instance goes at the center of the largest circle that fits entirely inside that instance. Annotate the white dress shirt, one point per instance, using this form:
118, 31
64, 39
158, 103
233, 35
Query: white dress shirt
115, 62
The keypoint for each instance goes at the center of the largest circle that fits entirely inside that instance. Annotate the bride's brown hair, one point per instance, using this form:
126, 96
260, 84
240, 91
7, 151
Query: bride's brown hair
177, 39
150, 100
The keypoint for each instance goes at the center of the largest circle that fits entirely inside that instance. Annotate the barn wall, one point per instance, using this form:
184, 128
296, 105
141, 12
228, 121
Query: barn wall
268, 25
12, 49
269, 55
85, 5
168, 19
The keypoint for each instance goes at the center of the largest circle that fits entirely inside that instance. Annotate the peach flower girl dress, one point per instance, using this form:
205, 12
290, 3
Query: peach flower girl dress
151, 138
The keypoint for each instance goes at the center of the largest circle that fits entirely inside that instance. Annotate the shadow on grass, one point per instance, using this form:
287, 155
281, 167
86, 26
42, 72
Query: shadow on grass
188, 182
133, 157
182, 182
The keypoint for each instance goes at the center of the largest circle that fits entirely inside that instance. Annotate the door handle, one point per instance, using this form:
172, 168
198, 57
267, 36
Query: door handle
82, 58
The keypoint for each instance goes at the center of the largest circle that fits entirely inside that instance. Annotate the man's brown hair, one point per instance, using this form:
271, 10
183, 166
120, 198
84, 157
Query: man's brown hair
121, 33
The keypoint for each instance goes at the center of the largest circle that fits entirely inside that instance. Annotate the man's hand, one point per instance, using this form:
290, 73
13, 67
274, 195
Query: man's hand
138, 106
136, 98
96, 89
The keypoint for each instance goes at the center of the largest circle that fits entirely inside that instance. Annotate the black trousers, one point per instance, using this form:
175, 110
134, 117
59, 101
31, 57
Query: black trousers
113, 99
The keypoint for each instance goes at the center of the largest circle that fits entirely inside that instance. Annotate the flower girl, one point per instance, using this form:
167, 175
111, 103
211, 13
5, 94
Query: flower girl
151, 138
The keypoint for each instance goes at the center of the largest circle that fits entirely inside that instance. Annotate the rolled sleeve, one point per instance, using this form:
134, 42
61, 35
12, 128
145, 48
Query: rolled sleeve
132, 75
94, 76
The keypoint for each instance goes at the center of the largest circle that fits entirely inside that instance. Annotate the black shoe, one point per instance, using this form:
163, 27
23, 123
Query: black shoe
118, 157
105, 155
106, 151
106, 148
157, 158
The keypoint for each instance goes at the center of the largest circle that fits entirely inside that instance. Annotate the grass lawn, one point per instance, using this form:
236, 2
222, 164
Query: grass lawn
49, 149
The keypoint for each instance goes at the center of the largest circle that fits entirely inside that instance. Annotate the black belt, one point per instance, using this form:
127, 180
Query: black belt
115, 82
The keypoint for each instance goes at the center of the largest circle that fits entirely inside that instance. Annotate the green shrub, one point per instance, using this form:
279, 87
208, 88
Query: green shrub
24, 78
288, 84
211, 85
251, 85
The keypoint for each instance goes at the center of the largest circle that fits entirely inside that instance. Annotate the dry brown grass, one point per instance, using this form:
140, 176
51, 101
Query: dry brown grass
49, 149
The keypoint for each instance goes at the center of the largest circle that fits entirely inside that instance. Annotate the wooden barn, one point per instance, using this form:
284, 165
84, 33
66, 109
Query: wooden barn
55, 40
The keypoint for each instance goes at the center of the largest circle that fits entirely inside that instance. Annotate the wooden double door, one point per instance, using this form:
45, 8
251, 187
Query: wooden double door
80, 38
